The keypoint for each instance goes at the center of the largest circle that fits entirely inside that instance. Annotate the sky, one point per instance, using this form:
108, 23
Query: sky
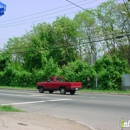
21, 15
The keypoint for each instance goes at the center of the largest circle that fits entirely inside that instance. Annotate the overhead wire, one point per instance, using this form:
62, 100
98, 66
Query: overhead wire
41, 12
64, 46
44, 15
109, 35
8, 20
1, 26
76, 5
13, 23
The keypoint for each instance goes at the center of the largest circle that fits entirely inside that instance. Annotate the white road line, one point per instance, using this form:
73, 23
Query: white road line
18, 95
55, 100
92, 97
24, 103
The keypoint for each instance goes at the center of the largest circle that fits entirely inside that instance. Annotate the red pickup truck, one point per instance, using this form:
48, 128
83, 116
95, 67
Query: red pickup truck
58, 83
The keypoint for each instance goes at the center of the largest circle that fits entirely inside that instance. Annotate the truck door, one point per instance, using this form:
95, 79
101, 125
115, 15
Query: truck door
58, 82
49, 84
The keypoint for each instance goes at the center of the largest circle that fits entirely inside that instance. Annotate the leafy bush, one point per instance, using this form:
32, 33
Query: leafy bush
110, 70
23, 79
78, 71
8, 76
50, 69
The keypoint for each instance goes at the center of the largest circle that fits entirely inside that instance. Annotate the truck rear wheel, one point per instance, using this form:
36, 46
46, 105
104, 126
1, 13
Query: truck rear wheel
72, 92
62, 91
41, 89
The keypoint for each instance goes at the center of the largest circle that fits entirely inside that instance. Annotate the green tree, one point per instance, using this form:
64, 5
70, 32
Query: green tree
4, 60
78, 71
65, 35
109, 71
87, 29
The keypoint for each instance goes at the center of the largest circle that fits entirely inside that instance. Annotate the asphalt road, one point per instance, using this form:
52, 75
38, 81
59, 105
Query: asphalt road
99, 111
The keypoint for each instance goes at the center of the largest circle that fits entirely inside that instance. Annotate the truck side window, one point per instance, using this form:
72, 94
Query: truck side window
59, 80
51, 79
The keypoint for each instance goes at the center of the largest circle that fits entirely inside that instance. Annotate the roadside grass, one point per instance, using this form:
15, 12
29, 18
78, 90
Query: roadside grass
9, 108
105, 91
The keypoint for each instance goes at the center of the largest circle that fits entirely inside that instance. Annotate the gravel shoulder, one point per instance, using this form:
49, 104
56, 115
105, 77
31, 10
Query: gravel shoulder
34, 121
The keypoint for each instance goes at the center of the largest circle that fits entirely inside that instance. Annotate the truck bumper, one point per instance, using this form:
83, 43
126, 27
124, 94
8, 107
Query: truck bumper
75, 89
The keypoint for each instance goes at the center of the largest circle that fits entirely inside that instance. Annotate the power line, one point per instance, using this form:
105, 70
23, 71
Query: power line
46, 11
43, 15
37, 13
76, 5
79, 6
10, 25
118, 33
64, 46
34, 21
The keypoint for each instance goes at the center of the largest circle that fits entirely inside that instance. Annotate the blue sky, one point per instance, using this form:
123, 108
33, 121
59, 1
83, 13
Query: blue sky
20, 15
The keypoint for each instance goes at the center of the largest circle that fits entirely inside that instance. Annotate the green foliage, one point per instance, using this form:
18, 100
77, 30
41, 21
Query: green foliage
8, 76
38, 76
64, 47
50, 69
23, 79
110, 70
78, 71
121, 51
12, 77
9, 108
4, 59
65, 35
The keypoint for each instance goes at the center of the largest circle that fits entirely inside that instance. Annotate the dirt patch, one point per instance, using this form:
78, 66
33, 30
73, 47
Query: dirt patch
33, 121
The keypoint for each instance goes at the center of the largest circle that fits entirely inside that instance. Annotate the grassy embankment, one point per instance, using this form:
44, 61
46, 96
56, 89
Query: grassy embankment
9, 108
125, 92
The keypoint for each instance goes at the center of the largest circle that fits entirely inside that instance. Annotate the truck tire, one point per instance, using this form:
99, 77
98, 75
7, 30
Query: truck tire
41, 90
62, 90
51, 91
72, 92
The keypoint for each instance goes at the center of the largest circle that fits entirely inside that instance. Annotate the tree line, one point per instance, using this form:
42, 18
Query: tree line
67, 46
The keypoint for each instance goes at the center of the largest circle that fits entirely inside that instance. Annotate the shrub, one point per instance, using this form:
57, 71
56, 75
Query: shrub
110, 70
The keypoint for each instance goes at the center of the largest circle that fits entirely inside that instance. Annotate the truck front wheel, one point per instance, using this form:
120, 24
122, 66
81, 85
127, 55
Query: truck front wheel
62, 91
72, 92
41, 89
